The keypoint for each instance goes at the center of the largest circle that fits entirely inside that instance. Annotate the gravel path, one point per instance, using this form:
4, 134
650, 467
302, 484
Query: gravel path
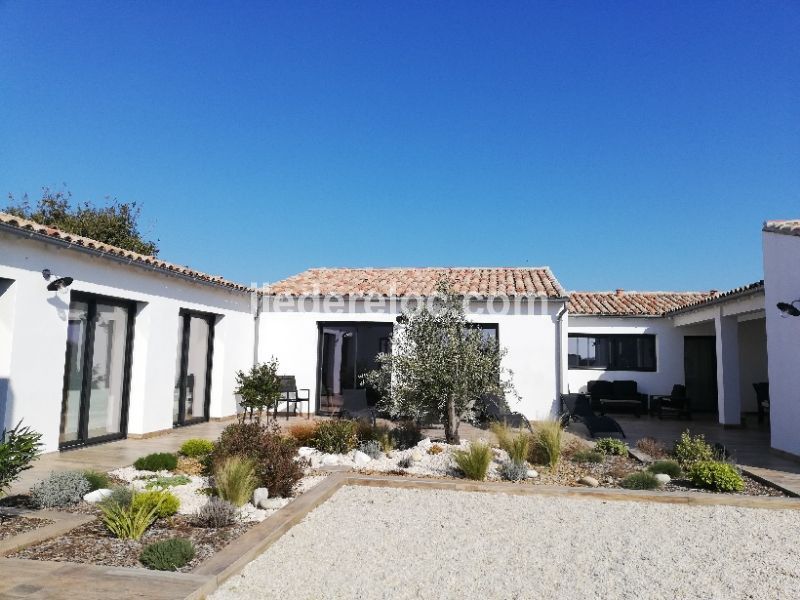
392, 543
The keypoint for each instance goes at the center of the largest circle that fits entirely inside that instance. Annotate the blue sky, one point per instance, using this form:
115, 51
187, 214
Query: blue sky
636, 145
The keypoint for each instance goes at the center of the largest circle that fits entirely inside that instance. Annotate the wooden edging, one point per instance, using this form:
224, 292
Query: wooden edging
62, 523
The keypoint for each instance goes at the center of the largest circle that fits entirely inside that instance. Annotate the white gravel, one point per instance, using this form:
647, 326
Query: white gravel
392, 543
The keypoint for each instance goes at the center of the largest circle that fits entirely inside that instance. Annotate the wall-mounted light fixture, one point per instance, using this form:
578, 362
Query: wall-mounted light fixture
789, 309
55, 284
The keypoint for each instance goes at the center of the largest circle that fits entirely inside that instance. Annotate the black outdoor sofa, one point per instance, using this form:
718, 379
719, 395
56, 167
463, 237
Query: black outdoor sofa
614, 396
577, 408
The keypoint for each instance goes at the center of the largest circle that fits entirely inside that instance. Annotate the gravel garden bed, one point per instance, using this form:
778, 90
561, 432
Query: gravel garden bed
11, 525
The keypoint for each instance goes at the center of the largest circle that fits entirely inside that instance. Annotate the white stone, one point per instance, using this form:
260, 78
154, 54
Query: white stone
260, 495
305, 451
331, 459
416, 456
532, 473
361, 458
97, 495
424, 444
662, 478
588, 481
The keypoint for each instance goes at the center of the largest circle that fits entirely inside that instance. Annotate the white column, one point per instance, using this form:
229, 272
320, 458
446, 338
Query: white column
728, 389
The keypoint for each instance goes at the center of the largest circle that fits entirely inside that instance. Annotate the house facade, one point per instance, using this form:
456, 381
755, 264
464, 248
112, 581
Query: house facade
98, 343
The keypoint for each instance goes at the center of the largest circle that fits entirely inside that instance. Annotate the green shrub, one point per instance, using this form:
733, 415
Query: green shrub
274, 455
718, 476
474, 462
337, 436
642, 480
165, 503
588, 456
405, 435
366, 432
668, 467
518, 447
131, 521
60, 488
547, 440
217, 513
688, 449
121, 495
167, 555
611, 446
236, 479
502, 432
197, 447
371, 448
18, 448
514, 471
97, 480
162, 482
160, 461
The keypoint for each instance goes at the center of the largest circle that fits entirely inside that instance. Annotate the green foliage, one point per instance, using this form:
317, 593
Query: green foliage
547, 439
236, 479
688, 449
366, 432
160, 461
717, 476
372, 448
18, 448
121, 495
516, 445
116, 224
97, 480
642, 480
405, 435
588, 456
474, 462
60, 488
668, 467
611, 446
337, 436
197, 448
260, 388
440, 365
131, 521
217, 513
167, 555
165, 503
514, 471
274, 454
161, 482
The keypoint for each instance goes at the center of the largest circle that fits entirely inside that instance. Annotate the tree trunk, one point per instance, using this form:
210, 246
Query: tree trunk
451, 423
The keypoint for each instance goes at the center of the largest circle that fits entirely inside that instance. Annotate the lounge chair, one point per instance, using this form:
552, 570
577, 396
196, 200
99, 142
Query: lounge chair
493, 408
578, 408
675, 402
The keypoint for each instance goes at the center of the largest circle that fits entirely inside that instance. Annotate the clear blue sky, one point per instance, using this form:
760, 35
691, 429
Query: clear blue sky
636, 145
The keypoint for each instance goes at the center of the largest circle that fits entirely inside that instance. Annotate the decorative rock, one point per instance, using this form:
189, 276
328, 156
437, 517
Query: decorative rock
662, 478
305, 451
416, 456
424, 444
361, 458
97, 495
532, 473
588, 481
260, 496
275, 503
330, 459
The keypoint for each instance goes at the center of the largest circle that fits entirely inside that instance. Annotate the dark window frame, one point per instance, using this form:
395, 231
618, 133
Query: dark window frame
186, 315
611, 337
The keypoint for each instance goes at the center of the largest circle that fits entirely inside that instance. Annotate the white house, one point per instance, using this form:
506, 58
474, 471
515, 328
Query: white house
99, 343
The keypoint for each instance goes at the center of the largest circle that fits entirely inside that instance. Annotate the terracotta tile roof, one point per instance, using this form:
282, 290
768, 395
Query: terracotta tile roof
481, 281
631, 304
789, 227
26, 227
730, 294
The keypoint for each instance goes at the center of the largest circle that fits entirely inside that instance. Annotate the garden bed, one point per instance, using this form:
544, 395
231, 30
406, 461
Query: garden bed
11, 525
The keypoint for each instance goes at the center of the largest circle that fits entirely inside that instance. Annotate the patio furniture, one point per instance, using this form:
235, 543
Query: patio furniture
577, 408
493, 408
675, 402
762, 398
614, 396
291, 395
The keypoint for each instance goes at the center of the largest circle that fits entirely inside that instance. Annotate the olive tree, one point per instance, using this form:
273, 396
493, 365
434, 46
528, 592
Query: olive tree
440, 365
260, 388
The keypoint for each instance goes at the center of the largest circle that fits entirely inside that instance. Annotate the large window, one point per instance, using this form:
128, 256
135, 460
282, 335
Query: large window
612, 352
192, 394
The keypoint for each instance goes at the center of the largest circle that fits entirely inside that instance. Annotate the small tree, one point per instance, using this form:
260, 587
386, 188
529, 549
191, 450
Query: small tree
260, 388
440, 365
18, 447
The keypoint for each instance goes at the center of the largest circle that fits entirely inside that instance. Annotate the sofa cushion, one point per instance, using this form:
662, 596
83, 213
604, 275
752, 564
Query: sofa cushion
600, 389
625, 389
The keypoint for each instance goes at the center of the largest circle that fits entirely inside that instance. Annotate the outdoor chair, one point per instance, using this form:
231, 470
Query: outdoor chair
292, 396
614, 396
762, 398
675, 402
578, 408
495, 409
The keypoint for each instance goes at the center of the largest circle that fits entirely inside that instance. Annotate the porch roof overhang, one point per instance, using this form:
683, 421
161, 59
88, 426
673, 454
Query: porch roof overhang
745, 303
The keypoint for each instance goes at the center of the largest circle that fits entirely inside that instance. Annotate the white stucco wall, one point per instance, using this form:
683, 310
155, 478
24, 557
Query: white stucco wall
292, 337
782, 284
669, 351
752, 360
34, 325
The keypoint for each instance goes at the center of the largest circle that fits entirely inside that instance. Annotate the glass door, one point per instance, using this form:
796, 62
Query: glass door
192, 394
97, 372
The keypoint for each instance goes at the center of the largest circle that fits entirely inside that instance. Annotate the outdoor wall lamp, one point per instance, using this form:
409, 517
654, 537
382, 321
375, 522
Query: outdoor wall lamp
55, 284
789, 309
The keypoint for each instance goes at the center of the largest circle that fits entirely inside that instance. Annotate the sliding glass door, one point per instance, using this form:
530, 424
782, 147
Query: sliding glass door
192, 394
94, 403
